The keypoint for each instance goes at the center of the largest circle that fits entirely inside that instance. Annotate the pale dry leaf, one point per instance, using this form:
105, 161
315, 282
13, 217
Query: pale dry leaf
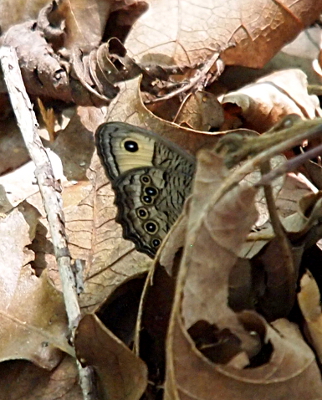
30, 307
308, 214
305, 217
189, 33
121, 374
85, 22
301, 52
268, 100
296, 186
309, 299
18, 186
17, 11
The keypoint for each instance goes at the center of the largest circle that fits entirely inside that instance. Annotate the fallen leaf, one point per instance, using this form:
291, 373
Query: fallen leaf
189, 34
309, 302
30, 307
37, 383
266, 101
121, 375
291, 370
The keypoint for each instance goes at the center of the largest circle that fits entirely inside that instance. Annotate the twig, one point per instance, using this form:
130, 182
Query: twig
288, 270
196, 80
290, 165
49, 188
239, 173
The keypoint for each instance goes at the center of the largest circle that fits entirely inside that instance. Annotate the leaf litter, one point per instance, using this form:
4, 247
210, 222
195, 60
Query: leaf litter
219, 315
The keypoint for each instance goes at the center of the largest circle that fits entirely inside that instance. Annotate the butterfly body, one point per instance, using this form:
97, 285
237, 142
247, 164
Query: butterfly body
151, 178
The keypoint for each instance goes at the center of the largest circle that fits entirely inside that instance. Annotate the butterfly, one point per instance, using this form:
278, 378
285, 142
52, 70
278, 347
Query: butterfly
151, 178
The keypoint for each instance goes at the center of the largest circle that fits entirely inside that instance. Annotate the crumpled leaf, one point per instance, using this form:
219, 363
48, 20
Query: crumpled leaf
272, 97
46, 64
291, 370
121, 375
128, 107
51, 78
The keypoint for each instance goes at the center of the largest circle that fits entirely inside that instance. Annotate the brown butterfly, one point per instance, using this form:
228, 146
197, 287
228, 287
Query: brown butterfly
151, 177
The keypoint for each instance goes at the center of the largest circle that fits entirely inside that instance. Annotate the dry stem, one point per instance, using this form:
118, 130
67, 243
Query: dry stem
49, 188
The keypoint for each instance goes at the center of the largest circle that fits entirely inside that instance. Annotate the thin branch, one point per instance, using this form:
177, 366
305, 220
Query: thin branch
288, 270
197, 80
250, 165
49, 188
290, 165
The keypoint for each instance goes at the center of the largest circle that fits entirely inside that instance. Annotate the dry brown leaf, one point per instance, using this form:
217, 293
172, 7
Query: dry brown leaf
23, 380
271, 98
121, 375
189, 34
17, 11
17, 186
201, 111
128, 107
13, 151
153, 319
202, 294
296, 225
310, 304
218, 229
291, 371
85, 22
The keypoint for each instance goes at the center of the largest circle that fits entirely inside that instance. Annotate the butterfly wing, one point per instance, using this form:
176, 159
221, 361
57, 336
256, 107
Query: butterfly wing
151, 178
149, 201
